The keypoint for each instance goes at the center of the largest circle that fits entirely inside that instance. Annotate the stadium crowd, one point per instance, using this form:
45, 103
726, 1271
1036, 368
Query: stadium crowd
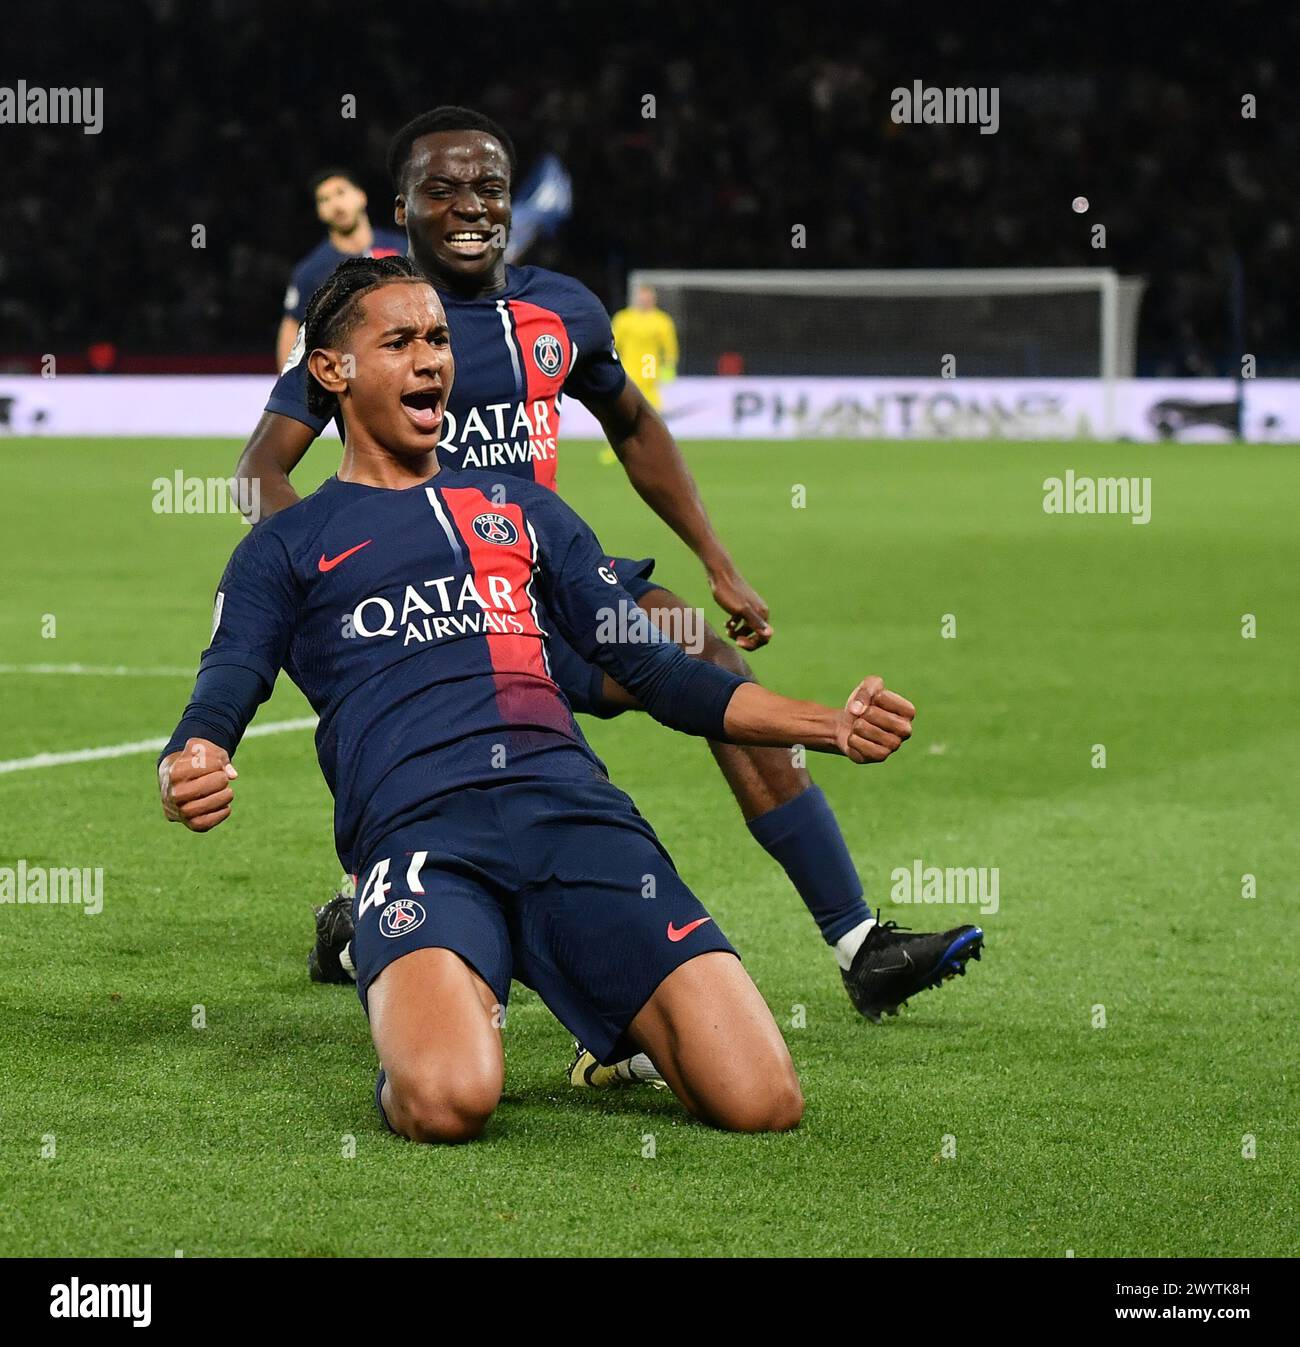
764, 118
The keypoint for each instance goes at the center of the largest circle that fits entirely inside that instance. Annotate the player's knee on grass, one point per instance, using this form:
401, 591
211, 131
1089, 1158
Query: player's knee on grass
441, 1107
770, 1100
433, 1021
711, 1034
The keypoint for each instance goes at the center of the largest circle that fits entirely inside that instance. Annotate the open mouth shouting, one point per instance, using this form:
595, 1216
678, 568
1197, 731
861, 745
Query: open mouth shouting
424, 407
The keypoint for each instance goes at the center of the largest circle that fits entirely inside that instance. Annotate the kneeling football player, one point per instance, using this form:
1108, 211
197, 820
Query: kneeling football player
412, 606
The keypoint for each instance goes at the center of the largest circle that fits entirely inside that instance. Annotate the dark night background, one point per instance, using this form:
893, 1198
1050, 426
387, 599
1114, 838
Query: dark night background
216, 113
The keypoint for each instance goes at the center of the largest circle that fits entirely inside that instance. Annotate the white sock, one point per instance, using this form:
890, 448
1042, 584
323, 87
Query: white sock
639, 1068
848, 945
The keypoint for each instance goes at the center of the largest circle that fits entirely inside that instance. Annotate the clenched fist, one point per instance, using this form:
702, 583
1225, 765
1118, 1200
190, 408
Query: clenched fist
874, 722
195, 785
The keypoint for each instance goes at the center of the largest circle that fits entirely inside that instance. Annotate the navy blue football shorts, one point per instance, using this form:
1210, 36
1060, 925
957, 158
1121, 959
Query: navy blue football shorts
559, 884
582, 682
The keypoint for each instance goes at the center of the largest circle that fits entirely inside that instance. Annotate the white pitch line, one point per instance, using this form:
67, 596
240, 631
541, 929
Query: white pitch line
100, 670
140, 746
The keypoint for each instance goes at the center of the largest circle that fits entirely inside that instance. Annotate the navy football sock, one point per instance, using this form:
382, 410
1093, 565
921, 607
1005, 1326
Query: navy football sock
379, 1102
804, 838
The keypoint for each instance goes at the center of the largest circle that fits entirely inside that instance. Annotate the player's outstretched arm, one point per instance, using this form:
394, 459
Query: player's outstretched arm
253, 622
274, 449
195, 785
874, 724
604, 624
656, 468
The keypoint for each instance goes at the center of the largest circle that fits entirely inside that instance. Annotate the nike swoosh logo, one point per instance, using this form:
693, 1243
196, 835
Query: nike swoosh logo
674, 934
328, 563
898, 967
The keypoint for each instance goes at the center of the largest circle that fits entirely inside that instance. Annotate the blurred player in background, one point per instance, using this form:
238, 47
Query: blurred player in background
646, 339
523, 339
341, 207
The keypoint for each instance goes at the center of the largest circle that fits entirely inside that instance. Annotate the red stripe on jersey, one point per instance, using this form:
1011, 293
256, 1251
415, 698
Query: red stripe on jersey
526, 693
544, 352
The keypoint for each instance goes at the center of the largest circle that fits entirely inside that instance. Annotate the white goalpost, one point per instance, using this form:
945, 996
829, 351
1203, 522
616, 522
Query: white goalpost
979, 323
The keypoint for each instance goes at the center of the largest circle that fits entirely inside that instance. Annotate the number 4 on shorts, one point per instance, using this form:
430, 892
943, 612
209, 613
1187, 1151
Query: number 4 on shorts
375, 891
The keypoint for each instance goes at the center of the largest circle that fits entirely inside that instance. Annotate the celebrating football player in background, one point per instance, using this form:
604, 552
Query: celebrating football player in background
341, 206
646, 338
522, 338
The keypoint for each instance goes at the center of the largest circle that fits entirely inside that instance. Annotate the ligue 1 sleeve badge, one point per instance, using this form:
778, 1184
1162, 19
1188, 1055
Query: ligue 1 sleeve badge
401, 917
548, 354
496, 528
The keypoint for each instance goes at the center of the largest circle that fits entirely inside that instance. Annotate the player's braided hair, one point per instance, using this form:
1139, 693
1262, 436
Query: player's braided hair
336, 307
446, 118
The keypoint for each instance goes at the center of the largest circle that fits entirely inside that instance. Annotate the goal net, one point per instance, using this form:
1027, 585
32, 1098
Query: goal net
1059, 323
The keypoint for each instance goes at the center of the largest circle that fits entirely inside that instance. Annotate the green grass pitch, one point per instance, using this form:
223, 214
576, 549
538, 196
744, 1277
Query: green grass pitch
1120, 887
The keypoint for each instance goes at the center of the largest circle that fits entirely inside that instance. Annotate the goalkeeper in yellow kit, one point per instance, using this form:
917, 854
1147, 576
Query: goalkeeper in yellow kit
646, 341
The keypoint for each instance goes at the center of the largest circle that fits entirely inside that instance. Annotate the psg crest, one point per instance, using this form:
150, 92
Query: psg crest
548, 353
496, 528
401, 917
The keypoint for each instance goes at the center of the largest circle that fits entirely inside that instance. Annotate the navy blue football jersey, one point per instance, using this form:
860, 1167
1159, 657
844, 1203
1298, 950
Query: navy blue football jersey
416, 624
321, 263
518, 353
